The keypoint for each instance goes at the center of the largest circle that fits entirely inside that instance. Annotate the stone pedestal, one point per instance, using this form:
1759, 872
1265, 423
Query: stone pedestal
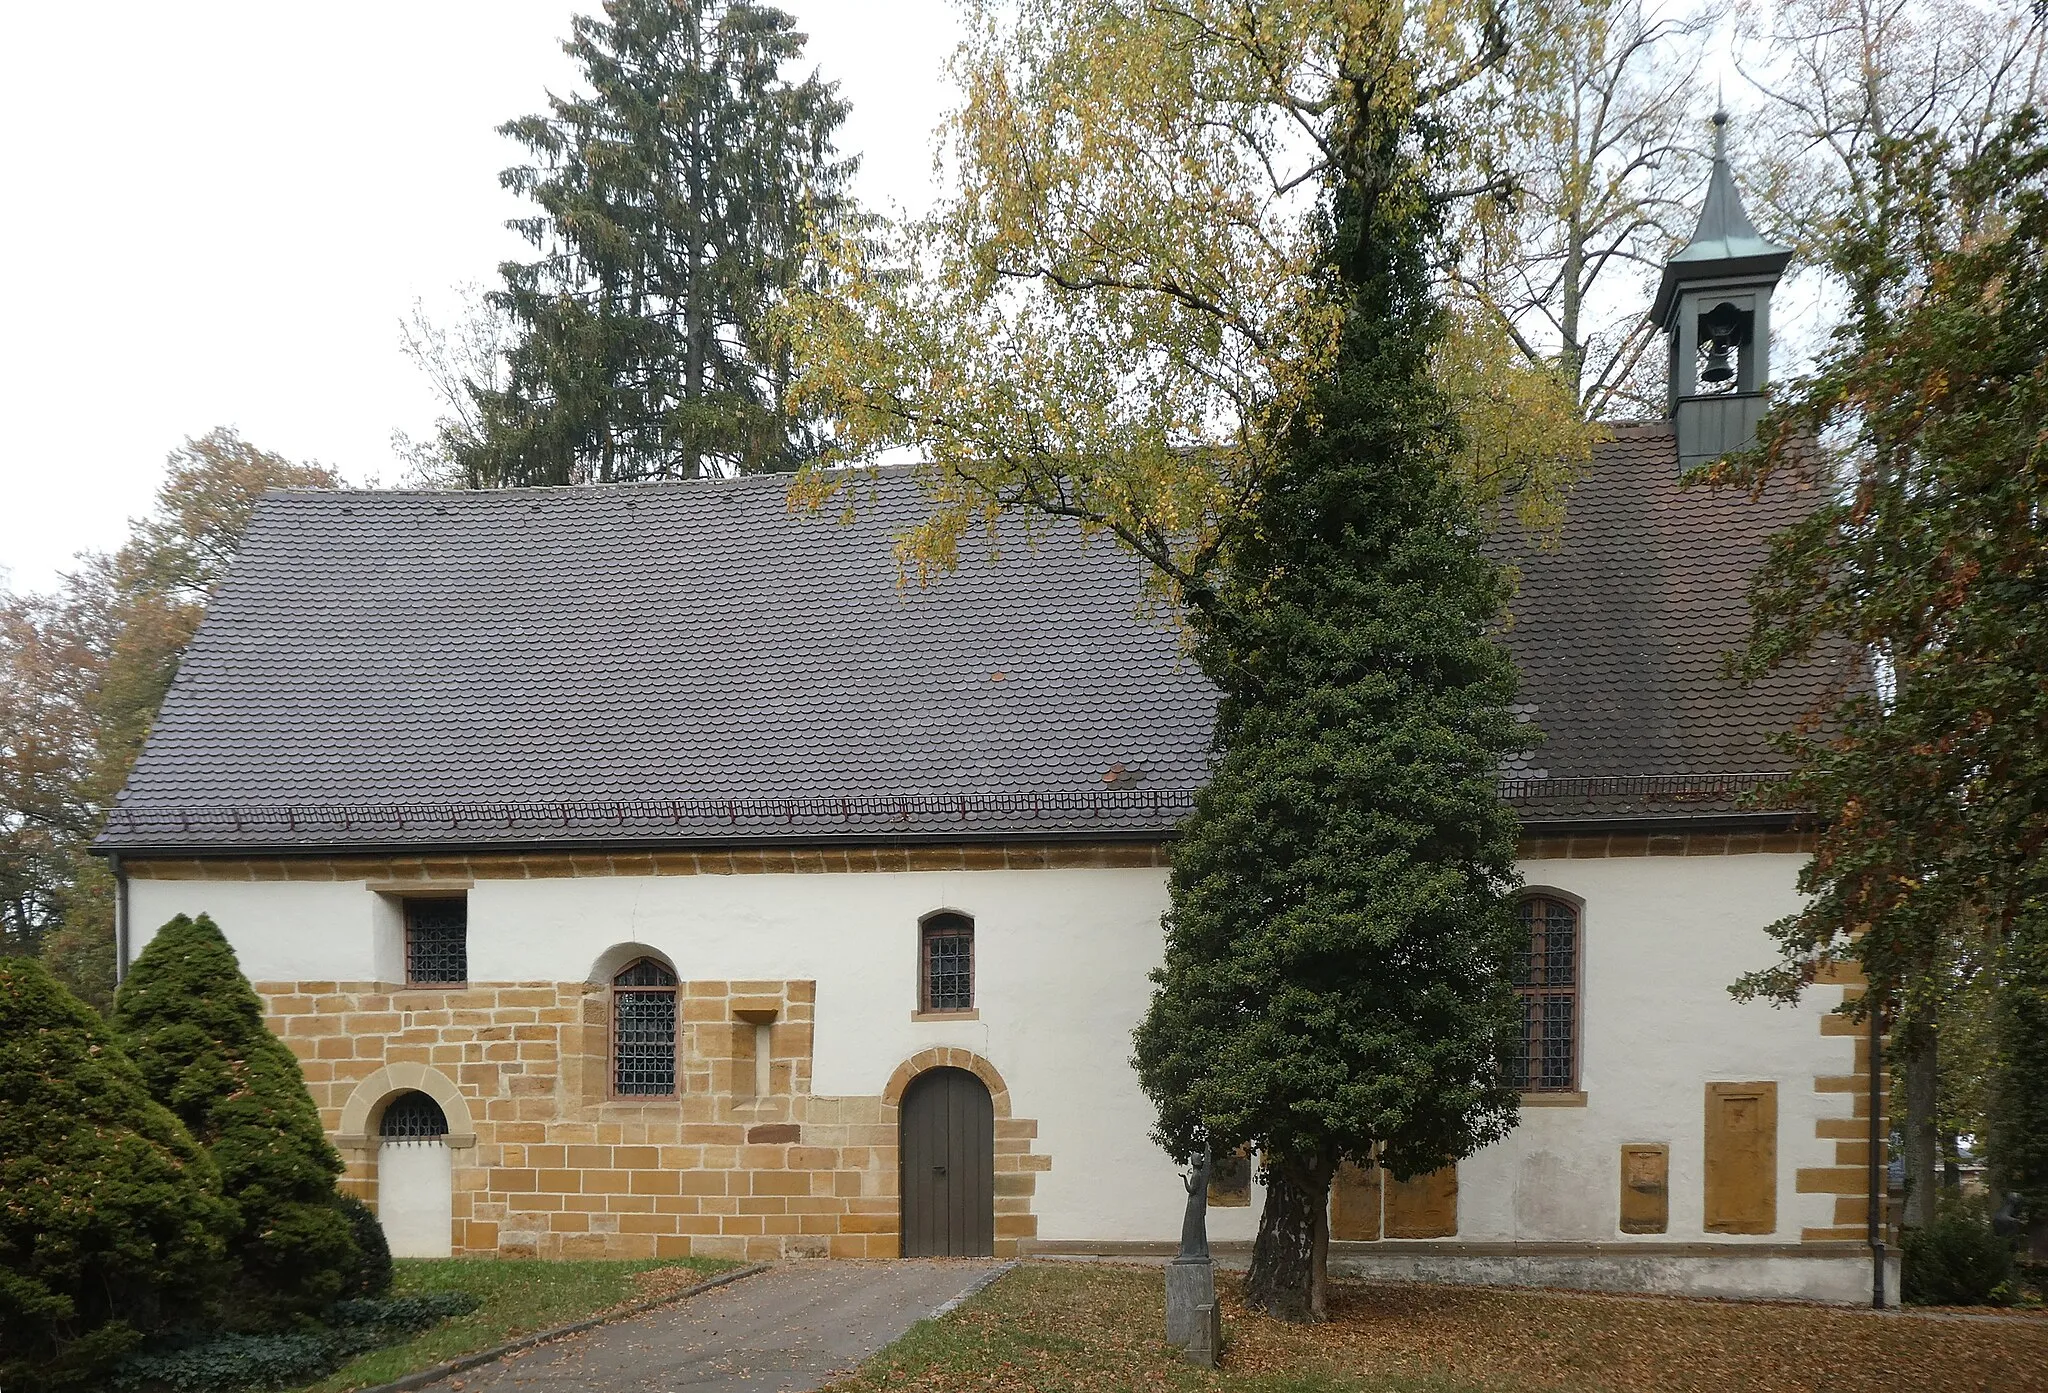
1194, 1326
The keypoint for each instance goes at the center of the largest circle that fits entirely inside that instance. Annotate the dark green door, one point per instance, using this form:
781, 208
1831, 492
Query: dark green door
949, 1167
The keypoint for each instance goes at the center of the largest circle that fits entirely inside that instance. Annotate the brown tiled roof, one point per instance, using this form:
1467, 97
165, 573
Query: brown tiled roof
1620, 629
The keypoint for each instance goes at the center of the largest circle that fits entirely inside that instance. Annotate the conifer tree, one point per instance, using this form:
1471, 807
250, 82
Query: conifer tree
1337, 983
194, 1027
111, 1218
675, 202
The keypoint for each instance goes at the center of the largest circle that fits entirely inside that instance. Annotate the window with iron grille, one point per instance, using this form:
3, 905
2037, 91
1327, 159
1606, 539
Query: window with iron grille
948, 963
644, 1030
1547, 981
412, 1117
437, 940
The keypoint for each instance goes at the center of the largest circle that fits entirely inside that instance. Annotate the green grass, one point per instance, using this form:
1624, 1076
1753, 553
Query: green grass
519, 1297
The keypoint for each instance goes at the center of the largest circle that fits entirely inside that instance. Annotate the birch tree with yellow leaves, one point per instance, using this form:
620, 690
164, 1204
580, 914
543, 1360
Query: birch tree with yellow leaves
1121, 299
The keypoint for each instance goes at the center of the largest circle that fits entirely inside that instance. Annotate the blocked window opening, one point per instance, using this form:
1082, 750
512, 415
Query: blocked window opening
436, 941
764, 1059
948, 963
644, 1030
1547, 981
415, 1178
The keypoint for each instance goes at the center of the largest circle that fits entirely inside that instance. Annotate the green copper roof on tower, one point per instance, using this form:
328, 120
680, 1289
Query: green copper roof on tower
1725, 243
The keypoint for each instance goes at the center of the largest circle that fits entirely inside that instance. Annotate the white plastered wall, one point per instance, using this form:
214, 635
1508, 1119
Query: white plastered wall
1662, 939
1062, 958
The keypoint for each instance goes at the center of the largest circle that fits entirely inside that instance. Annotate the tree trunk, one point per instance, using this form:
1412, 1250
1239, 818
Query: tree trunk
1951, 1161
1921, 1064
1290, 1270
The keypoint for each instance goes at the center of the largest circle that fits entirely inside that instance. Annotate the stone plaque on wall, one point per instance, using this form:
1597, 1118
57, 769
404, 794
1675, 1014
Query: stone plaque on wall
1355, 1203
1645, 1188
1425, 1207
1230, 1181
1742, 1158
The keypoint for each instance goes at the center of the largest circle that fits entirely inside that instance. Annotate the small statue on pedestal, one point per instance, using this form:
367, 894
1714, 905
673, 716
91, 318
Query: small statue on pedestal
1193, 1324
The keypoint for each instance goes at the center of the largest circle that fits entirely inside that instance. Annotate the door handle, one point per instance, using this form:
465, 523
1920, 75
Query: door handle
938, 1170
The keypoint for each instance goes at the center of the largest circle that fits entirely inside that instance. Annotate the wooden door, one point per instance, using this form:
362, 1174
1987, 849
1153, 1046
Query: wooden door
948, 1154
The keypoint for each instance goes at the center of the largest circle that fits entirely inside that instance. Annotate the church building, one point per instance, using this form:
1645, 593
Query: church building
642, 871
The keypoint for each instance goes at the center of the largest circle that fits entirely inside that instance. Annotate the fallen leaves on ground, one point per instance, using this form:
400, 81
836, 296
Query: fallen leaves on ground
1071, 1326
661, 1283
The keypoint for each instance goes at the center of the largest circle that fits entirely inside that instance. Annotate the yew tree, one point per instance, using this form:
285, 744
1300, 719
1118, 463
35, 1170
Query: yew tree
1337, 983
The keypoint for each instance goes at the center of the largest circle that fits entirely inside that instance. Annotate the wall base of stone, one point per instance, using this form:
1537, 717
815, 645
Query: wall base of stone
1784, 1273
1833, 1273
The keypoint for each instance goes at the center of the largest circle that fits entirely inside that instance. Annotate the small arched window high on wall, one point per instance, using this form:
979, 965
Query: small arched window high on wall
644, 1030
1547, 981
946, 962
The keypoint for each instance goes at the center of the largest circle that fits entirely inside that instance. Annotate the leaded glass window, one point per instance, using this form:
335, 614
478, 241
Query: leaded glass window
644, 1030
948, 963
1547, 980
412, 1117
437, 940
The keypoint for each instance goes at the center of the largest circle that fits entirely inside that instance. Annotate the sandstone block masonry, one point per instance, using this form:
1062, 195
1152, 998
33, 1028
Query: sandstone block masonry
546, 1162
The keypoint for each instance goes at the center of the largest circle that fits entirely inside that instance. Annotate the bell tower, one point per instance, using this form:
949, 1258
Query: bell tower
1714, 306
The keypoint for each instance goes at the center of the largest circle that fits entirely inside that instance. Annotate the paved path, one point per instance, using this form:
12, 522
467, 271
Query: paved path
789, 1328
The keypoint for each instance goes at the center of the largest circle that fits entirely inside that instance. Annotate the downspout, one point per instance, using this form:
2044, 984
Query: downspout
120, 917
1878, 1171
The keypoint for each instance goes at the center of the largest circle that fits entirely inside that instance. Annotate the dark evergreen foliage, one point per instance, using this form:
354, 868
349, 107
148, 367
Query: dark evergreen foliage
372, 1276
1337, 981
229, 1362
111, 1218
675, 202
194, 1027
1957, 1260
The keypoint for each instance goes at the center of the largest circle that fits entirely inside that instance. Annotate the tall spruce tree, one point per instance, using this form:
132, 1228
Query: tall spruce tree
1338, 975
194, 1027
675, 202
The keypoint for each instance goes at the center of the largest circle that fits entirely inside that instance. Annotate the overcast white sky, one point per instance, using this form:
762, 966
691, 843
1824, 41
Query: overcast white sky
218, 211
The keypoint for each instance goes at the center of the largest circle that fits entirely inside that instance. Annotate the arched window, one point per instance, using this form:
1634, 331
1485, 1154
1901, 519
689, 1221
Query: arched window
946, 963
644, 1030
412, 1117
1547, 980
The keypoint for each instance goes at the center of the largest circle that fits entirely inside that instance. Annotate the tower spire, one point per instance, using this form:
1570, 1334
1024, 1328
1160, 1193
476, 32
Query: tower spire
1714, 302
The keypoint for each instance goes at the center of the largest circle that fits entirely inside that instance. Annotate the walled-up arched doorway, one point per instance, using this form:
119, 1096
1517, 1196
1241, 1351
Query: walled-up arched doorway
947, 1147
415, 1177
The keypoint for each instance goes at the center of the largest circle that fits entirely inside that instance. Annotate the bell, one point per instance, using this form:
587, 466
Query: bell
1718, 368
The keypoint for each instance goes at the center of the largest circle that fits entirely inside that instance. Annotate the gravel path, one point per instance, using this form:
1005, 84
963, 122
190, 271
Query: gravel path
789, 1329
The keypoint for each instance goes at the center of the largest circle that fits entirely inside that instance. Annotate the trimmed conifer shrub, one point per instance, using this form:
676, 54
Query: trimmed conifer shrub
372, 1276
111, 1217
194, 1027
